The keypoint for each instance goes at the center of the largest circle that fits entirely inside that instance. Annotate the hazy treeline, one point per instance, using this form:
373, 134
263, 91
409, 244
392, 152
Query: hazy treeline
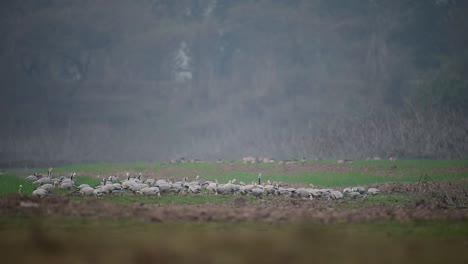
118, 80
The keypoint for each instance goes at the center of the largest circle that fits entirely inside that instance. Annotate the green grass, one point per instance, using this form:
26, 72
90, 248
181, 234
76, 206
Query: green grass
10, 184
65, 240
412, 163
387, 199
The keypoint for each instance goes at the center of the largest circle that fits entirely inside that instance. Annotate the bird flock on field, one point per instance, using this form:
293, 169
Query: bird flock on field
136, 185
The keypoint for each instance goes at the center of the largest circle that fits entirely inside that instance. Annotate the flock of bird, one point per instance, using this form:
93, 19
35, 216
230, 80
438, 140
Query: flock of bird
112, 185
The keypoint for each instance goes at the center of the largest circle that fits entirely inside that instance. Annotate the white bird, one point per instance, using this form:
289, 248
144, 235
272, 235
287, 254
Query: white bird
315, 193
162, 181
335, 195
149, 191
20, 190
164, 187
98, 192
373, 191
269, 189
86, 190
150, 182
67, 185
227, 188
40, 192
43, 181
258, 191
354, 195
113, 178
136, 187
48, 187
194, 188
347, 190
303, 193
359, 189
33, 177
246, 189
83, 185
211, 186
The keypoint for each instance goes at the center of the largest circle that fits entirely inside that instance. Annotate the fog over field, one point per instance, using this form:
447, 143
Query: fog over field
151, 80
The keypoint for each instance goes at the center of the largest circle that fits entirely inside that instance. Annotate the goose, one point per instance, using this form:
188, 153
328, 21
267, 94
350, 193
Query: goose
150, 182
33, 177
335, 195
67, 185
303, 193
347, 190
161, 181
359, 189
113, 178
87, 191
48, 187
179, 187
325, 192
196, 181
135, 187
164, 187
269, 189
373, 191
281, 191
258, 191
149, 191
211, 186
354, 195
194, 188
83, 186
245, 189
43, 181
140, 175
98, 192
314, 193
40, 192
20, 189
227, 188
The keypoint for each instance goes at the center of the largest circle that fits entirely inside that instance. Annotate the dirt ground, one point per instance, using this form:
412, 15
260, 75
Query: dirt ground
435, 200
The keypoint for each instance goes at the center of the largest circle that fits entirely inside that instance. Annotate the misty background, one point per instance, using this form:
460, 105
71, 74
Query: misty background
121, 80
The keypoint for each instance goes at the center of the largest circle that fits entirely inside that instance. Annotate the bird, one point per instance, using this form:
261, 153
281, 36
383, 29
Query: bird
258, 191
20, 190
67, 185
40, 192
359, 189
211, 186
373, 191
87, 191
149, 191
335, 195
48, 187
33, 177
43, 181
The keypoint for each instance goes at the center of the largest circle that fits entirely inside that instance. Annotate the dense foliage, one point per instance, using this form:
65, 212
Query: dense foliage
153, 79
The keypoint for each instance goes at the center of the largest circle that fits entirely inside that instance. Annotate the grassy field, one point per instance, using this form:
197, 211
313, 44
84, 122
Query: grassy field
357, 173
82, 241
72, 240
